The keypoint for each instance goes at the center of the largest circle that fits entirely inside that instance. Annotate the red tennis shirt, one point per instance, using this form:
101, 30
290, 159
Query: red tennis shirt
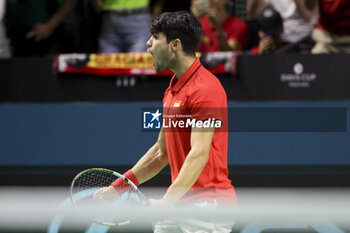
198, 95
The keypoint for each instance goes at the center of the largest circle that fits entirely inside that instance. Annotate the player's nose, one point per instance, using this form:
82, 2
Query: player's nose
149, 42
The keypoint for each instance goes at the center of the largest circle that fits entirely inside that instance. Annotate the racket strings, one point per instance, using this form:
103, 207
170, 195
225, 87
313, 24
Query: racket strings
86, 183
95, 179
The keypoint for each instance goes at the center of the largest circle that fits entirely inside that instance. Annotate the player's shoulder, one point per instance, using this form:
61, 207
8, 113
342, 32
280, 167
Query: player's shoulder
207, 78
207, 83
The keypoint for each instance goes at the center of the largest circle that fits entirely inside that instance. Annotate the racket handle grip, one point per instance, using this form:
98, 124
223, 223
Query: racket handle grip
122, 186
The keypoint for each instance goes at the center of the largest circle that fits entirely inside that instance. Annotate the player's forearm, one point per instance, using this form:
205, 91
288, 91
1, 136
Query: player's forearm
150, 164
189, 173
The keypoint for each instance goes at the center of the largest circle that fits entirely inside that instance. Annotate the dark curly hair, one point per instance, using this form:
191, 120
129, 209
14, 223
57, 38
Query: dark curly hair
180, 25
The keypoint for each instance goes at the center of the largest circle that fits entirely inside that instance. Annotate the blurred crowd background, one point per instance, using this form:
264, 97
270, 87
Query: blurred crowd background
48, 27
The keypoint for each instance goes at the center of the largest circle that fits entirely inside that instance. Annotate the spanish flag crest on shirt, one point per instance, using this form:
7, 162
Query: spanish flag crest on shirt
177, 104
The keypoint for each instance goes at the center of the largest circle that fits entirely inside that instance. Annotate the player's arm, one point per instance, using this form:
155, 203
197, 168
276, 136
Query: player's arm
193, 166
153, 161
148, 166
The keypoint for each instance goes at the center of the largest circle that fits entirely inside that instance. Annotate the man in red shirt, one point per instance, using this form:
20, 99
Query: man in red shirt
221, 30
197, 155
332, 33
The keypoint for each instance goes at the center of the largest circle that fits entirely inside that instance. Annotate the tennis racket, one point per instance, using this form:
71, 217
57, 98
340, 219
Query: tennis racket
87, 182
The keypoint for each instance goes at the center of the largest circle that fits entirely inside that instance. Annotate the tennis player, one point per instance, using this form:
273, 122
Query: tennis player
197, 156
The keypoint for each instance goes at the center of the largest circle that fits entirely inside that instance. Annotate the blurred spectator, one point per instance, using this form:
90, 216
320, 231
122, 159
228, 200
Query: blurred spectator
87, 24
160, 6
299, 16
31, 23
270, 30
332, 34
124, 25
221, 30
4, 46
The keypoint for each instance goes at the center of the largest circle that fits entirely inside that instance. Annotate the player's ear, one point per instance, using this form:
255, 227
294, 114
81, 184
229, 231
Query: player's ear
176, 44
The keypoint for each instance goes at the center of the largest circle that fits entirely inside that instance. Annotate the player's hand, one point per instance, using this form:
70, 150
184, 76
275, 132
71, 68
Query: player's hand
106, 193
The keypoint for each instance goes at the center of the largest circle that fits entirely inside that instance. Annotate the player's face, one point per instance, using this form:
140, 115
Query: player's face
161, 52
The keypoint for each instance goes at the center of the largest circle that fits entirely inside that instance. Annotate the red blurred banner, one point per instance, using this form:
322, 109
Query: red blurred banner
135, 63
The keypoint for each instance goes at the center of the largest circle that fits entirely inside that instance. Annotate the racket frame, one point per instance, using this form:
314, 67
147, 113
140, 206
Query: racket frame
117, 175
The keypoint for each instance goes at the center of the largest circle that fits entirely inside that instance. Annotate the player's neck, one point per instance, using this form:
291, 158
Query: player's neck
183, 65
